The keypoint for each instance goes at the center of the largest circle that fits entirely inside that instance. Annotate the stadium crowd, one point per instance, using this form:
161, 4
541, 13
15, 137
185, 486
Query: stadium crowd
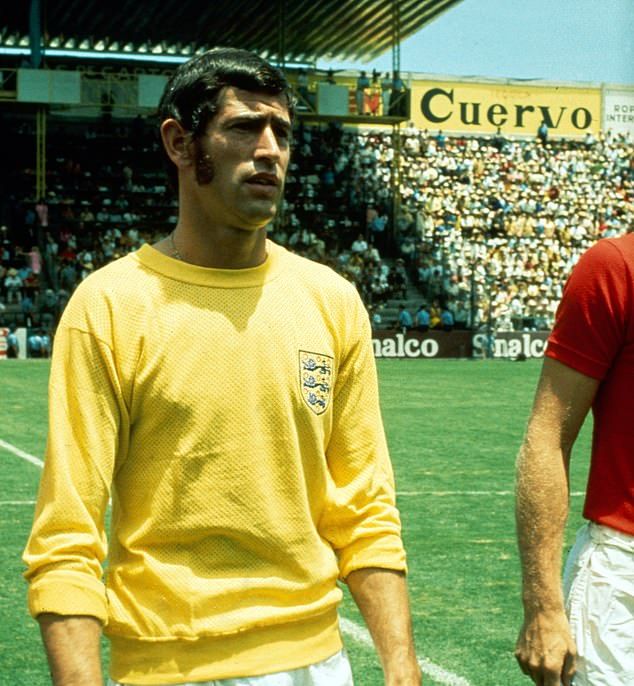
499, 223
488, 227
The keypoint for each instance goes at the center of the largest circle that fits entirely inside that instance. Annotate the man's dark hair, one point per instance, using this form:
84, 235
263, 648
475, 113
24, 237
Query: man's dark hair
192, 95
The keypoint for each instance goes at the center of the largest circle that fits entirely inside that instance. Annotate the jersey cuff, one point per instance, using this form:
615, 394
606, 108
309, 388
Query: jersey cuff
384, 553
68, 593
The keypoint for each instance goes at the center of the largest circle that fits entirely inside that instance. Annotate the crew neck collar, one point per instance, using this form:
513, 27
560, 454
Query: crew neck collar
206, 276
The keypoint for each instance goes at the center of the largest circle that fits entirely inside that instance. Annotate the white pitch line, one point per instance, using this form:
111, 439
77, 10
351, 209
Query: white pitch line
436, 672
17, 502
20, 453
407, 494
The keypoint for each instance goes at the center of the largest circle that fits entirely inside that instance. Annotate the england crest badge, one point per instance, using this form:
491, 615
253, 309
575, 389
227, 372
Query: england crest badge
315, 379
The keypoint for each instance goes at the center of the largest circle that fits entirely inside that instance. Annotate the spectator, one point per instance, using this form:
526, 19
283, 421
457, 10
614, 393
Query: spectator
51, 251
48, 309
13, 286
46, 344
435, 319
447, 319
360, 245
422, 319
13, 344
87, 268
405, 321
378, 227
373, 97
35, 344
68, 277
34, 260
398, 279
26, 307
386, 92
363, 84
376, 319
461, 316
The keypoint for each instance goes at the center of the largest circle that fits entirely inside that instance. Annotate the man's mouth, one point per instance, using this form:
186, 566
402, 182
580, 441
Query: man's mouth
264, 179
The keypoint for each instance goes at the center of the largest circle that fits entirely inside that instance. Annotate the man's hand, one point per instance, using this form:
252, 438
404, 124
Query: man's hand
545, 649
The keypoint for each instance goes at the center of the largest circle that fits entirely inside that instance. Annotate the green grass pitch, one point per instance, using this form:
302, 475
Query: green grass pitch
454, 428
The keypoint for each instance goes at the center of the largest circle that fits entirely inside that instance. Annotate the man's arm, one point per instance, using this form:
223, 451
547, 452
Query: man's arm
72, 648
67, 546
381, 595
545, 649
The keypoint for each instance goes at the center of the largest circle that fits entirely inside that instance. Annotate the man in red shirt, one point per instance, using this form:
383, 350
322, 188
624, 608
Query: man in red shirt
586, 628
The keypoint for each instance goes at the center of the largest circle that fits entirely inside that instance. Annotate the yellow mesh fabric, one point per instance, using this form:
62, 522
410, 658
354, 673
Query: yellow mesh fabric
233, 417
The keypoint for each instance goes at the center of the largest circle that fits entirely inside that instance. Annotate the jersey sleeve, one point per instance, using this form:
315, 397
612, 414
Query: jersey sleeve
361, 521
67, 546
592, 317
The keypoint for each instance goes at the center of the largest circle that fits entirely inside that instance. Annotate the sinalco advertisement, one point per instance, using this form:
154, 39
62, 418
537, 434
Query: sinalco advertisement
510, 345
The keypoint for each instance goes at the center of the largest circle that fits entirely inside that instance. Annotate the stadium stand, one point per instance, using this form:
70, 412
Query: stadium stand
486, 228
489, 227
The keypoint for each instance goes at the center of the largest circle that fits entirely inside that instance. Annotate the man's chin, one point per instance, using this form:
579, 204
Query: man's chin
258, 218
251, 224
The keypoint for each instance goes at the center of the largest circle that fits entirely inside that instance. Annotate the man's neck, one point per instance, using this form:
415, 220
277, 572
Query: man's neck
218, 247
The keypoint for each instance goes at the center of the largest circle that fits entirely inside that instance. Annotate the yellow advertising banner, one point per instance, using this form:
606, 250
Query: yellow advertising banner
480, 108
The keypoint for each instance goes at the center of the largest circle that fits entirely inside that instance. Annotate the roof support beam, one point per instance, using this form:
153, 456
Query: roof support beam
396, 37
281, 34
35, 33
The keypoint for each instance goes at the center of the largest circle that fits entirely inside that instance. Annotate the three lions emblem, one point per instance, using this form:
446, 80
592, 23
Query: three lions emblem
315, 379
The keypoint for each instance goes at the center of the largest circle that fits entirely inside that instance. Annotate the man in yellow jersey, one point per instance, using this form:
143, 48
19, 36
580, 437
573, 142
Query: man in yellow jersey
222, 392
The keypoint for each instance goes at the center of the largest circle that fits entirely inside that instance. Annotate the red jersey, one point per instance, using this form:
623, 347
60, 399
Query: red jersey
594, 334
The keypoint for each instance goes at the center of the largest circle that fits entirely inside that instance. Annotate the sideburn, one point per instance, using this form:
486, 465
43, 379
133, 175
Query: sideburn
203, 164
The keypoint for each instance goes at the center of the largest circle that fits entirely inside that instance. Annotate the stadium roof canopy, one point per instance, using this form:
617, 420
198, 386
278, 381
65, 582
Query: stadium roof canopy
313, 29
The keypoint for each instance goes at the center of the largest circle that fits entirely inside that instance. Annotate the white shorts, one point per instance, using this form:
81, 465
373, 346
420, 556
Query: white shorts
599, 590
335, 671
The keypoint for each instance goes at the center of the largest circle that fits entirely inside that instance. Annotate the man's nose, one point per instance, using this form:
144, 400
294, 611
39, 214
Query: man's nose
268, 145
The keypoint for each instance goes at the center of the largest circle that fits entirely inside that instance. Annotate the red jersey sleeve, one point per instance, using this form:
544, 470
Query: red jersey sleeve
591, 320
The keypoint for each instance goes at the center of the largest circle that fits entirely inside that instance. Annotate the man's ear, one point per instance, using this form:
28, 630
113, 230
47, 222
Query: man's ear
177, 142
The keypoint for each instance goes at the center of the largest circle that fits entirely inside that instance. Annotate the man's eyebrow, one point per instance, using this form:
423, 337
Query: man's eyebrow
284, 123
257, 117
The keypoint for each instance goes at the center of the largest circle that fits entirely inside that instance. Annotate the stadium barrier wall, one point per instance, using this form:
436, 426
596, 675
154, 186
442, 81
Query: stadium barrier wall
511, 345
415, 345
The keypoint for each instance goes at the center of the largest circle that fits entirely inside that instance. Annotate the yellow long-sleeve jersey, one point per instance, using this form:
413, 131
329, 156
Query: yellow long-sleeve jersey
233, 418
